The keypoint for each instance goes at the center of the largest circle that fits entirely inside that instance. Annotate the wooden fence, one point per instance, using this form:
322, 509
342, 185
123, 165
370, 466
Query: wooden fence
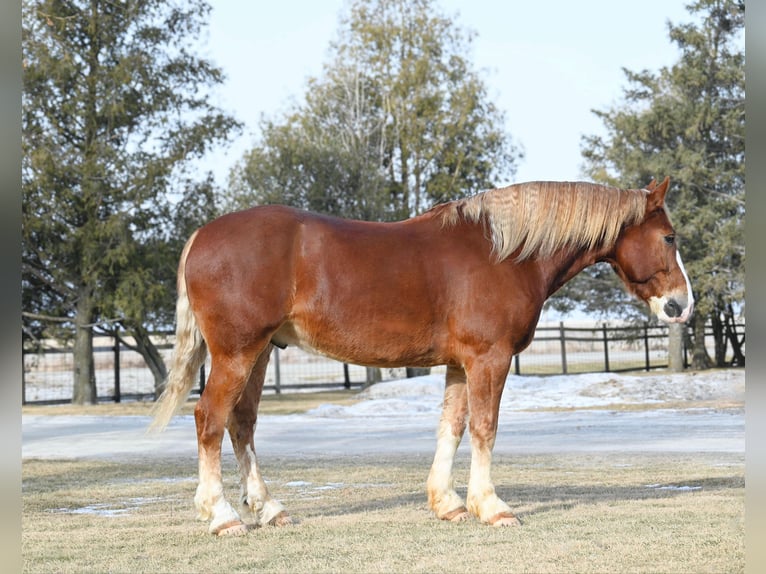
558, 349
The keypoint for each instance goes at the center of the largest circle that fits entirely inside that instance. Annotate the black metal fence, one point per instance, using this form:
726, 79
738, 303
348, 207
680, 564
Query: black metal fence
558, 349
566, 349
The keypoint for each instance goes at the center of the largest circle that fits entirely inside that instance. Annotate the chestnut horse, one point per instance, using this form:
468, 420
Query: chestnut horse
461, 285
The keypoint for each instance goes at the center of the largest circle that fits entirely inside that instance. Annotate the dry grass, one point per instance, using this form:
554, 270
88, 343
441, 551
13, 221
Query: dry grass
581, 513
284, 404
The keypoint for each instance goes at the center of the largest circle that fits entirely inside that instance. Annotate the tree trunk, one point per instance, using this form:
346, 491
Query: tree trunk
719, 338
84, 390
700, 358
418, 371
733, 336
151, 354
676, 347
374, 375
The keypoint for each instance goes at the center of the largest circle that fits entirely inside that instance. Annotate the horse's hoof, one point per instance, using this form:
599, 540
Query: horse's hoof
281, 519
233, 528
459, 514
504, 519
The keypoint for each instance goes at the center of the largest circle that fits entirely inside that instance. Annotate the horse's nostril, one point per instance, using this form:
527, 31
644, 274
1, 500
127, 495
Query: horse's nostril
673, 309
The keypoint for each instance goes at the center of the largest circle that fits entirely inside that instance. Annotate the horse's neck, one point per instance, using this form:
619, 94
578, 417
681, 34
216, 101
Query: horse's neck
563, 266
554, 271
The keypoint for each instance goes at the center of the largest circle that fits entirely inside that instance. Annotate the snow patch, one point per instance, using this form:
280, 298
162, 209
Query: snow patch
108, 510
423, 395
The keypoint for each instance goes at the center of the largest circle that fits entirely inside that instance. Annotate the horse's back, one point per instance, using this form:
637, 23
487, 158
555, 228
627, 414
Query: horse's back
262, 235
320, 282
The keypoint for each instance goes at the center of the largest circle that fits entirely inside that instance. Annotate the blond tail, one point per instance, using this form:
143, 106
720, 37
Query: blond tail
188, 354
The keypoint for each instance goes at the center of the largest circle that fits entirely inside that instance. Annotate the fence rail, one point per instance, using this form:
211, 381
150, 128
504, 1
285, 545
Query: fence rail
587, 349
555, 349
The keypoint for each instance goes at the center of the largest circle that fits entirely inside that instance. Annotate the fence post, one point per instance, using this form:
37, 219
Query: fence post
346, 376
277, 372
202, 379
117, 393
606, 348
562, 338
646, 345
517, 367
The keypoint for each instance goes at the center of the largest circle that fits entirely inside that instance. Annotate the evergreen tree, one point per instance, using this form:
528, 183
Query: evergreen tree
688, 121
115, 106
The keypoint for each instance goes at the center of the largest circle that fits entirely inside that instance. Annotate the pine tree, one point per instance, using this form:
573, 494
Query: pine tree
688, 121
115, 105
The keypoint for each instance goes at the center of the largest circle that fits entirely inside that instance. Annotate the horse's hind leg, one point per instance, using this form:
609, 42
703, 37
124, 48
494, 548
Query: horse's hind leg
228, 376
255, 496
442, 498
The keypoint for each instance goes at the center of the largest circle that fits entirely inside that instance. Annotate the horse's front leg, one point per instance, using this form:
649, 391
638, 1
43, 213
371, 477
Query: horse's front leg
485, 389
442, 498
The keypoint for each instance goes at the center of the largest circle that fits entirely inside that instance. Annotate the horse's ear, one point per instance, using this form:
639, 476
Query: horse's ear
656, 197
652, 185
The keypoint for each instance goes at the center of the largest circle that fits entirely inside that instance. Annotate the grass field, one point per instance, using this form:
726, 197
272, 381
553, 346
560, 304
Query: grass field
584, 513
600, 512
284, 404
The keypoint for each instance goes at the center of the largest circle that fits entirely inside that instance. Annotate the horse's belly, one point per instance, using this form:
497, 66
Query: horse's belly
380, 350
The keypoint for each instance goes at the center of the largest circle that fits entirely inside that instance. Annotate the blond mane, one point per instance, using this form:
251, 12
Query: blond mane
543, 217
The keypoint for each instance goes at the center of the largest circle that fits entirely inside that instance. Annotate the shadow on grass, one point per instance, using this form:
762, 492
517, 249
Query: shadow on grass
537, 500
548, 498
401, 483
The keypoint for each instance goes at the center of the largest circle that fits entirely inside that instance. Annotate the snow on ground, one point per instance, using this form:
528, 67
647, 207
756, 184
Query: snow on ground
410, 397
401, 416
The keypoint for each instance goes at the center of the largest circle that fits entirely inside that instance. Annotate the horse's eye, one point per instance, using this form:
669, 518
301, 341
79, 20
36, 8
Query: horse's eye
670, 239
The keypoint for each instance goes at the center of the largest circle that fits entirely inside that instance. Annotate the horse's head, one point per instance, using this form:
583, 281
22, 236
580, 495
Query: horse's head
646, 258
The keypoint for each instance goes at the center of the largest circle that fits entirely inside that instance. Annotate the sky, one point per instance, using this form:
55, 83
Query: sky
546, 65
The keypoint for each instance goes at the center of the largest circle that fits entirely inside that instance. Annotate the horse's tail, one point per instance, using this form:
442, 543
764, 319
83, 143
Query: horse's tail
189, 353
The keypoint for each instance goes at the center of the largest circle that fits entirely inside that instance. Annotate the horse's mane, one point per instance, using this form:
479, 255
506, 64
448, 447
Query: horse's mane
543, 217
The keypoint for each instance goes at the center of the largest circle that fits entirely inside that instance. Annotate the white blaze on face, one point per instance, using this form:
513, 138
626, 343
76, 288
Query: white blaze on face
679, 304
687, 312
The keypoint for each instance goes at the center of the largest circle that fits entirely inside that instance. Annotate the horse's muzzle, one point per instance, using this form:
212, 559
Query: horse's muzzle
673, 309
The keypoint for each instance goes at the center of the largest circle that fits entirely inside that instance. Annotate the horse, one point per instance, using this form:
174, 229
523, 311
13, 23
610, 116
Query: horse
461, 285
